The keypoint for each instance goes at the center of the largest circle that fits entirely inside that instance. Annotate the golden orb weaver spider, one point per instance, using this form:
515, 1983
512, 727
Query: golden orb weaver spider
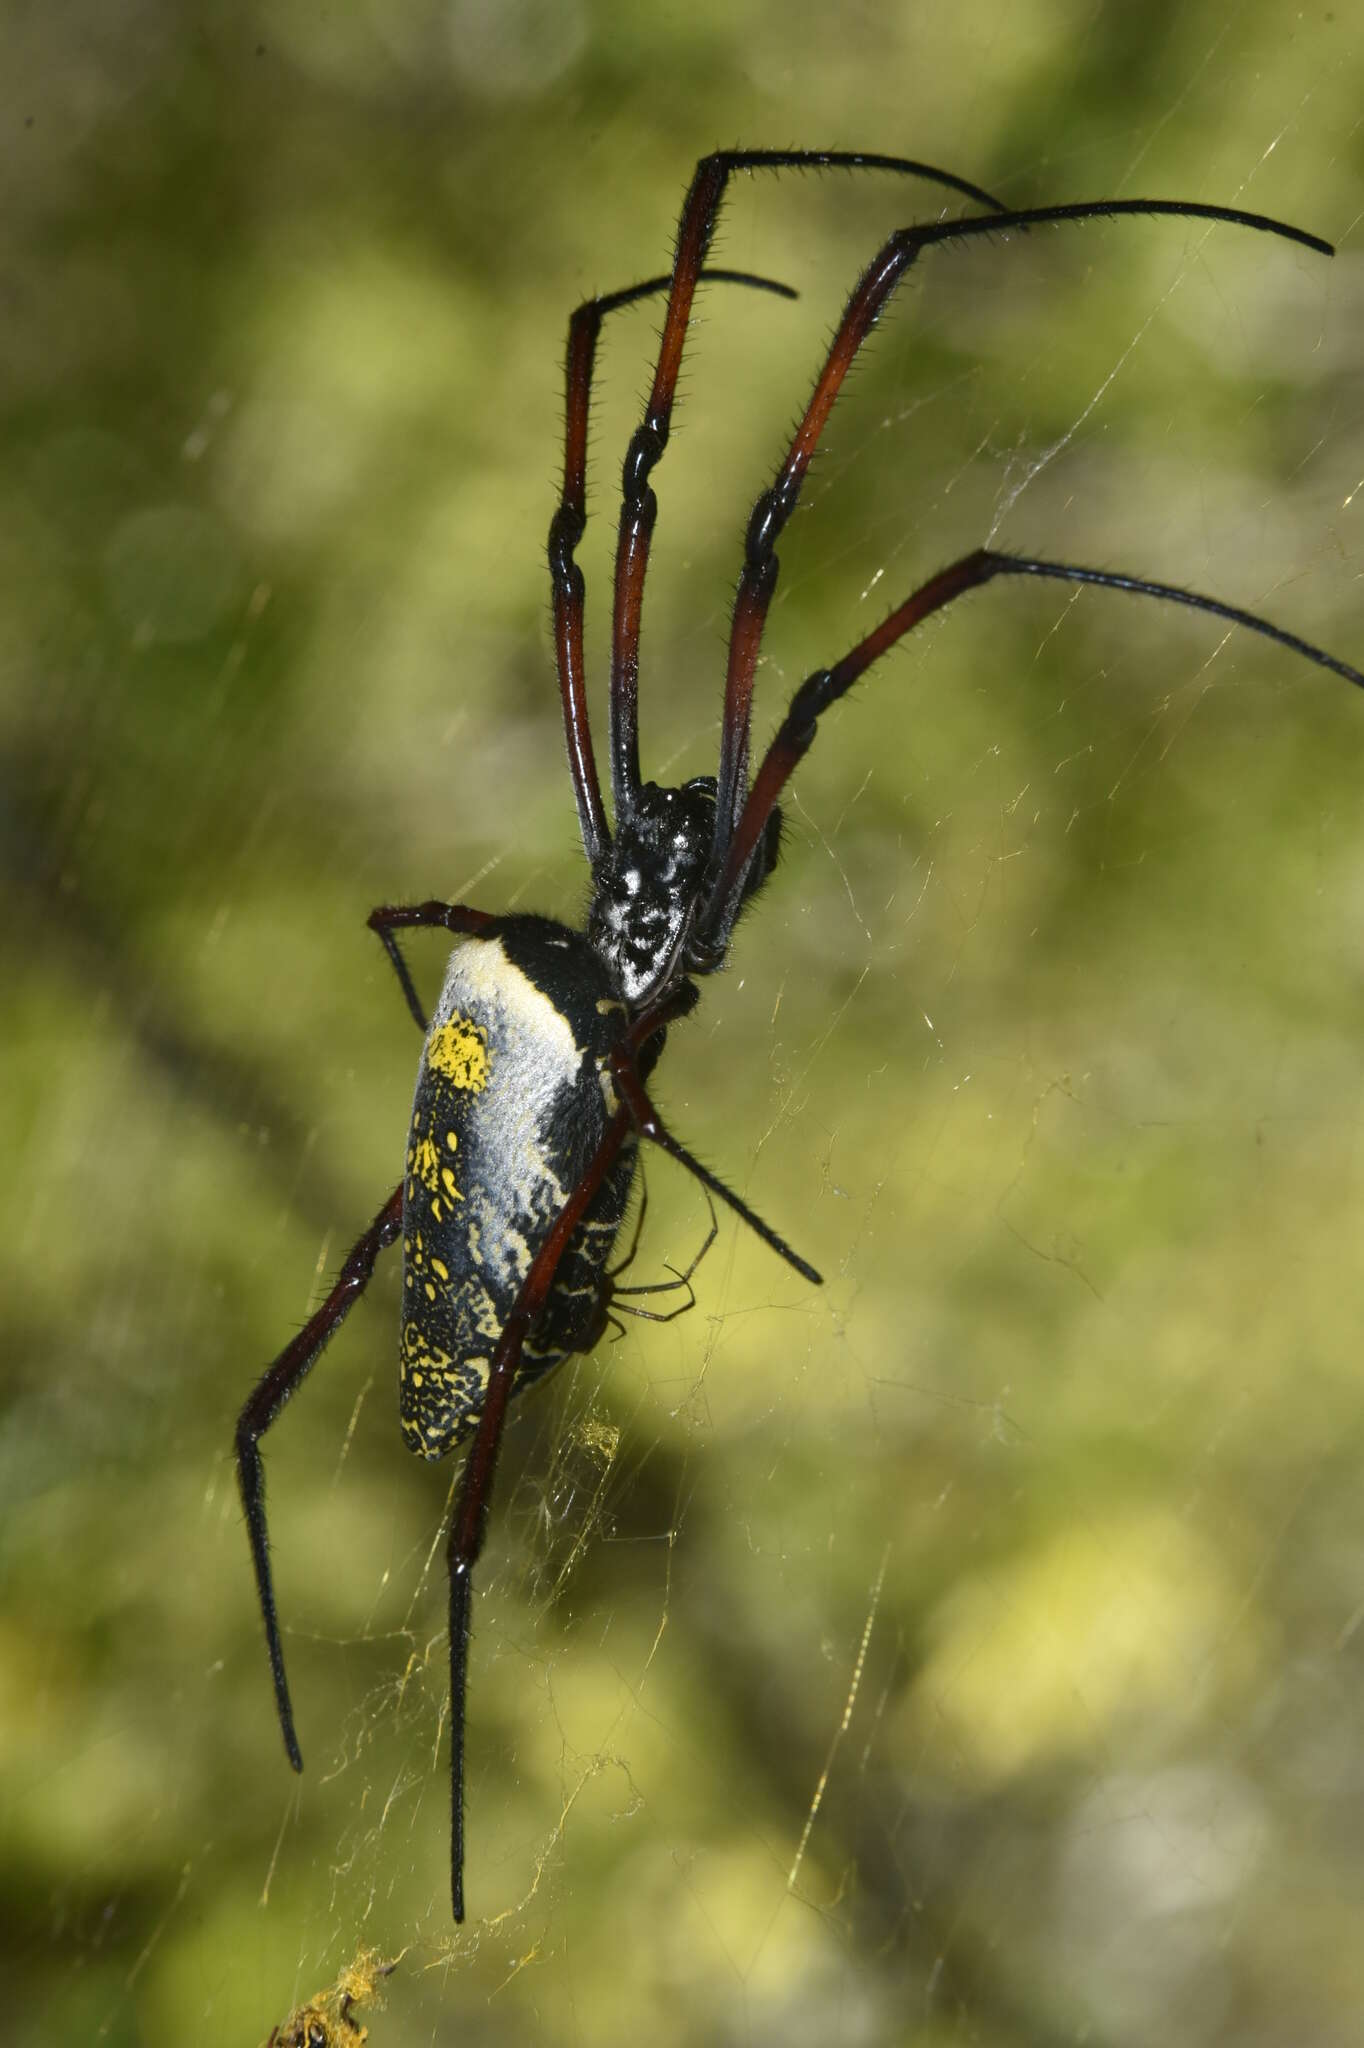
532, 1093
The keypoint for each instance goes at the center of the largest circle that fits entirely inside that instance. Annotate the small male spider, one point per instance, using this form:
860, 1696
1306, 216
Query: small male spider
532, 1093
327, 2019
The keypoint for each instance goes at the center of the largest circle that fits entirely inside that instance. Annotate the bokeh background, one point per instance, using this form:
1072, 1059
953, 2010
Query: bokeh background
969, 1650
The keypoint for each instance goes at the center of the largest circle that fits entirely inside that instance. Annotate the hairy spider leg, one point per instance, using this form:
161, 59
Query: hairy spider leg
739, 828
679, 1002
469, 1522
459, 918
570, 523
639, 506
468, 1525
462, 918
825, 686
650, 1125
272, 1390
680, 1282
870, 295
286, 1374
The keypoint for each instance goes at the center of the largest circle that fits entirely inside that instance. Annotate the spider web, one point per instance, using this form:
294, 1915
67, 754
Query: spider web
964, 1650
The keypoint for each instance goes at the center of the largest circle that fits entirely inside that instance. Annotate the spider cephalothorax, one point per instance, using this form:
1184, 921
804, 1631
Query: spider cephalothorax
647, 886
650, 889
531, 1096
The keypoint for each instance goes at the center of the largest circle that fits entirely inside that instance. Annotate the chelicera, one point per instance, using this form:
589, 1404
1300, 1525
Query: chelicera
533, 1089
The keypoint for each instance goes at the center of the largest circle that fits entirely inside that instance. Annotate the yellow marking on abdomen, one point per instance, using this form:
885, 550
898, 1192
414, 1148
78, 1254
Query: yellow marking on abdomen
458, 1051
423, 1163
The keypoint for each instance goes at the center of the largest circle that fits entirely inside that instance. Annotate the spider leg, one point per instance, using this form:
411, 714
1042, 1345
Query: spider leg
639, 508
650, 1124
272, 1390
774, 507
460, 918
468, 1524
657, 1315
624, 1265
681, 1279
826, 686
569, 524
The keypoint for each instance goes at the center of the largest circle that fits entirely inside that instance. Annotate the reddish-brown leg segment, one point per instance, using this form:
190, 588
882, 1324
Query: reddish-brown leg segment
650, 1125
639, 508
568, 526
826, 686
468, 1525
459, 918
877, 284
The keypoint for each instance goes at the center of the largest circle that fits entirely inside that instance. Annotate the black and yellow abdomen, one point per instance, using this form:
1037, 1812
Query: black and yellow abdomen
510, 1106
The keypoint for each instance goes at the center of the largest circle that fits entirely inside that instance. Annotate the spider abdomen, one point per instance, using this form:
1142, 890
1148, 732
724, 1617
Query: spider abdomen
510, 1106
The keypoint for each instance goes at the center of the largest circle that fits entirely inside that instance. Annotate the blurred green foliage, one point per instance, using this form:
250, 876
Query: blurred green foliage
968, 1651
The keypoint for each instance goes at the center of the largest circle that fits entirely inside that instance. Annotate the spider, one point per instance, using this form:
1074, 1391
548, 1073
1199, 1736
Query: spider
532, 1092
328, 2020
